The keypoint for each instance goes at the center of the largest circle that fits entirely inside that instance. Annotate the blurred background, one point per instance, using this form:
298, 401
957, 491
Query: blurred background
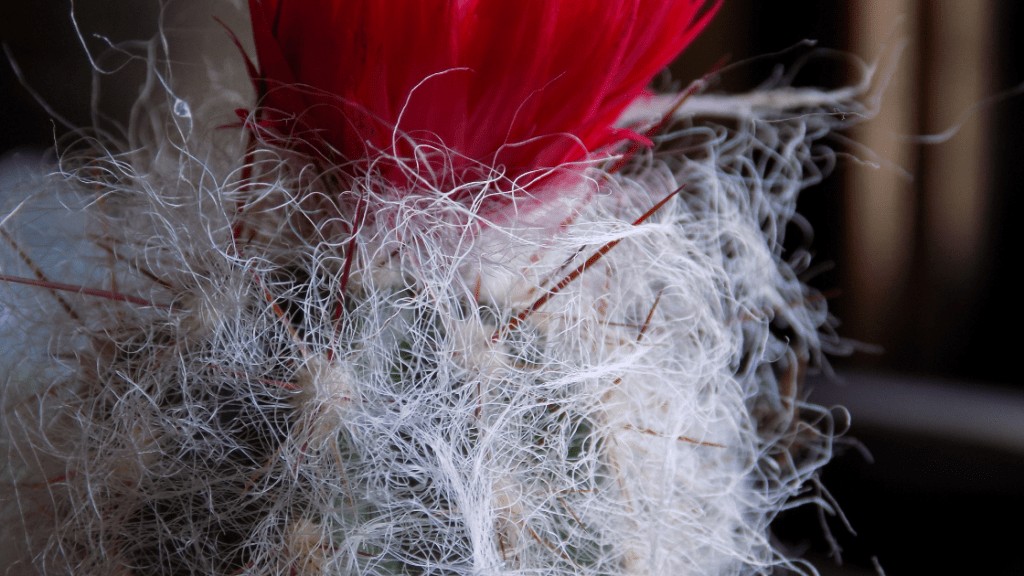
916, 255
918, 259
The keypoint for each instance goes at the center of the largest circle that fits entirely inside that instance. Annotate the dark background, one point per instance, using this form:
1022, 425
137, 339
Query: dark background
923, 497
943, 492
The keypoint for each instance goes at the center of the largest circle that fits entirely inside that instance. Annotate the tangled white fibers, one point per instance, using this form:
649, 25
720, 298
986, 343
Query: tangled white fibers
216, 364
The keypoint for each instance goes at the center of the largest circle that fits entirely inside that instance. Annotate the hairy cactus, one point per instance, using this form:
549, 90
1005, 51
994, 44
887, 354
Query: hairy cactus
235, 357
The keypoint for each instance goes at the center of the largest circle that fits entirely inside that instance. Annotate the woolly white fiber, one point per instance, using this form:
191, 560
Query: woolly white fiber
247, 390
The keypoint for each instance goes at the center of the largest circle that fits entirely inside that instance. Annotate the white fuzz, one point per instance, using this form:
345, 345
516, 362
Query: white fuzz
279, 397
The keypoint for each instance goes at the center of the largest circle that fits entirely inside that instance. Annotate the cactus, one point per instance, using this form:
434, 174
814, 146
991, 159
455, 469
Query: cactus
240, 358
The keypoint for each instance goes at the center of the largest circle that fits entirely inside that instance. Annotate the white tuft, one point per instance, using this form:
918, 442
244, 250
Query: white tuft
286, 398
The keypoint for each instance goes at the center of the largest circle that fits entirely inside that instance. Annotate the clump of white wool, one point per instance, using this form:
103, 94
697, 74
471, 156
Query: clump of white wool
282, 397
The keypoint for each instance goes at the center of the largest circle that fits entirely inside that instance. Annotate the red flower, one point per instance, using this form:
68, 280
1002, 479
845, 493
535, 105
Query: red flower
461, 86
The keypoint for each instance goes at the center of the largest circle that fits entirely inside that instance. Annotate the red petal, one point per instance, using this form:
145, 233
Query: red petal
516, 85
